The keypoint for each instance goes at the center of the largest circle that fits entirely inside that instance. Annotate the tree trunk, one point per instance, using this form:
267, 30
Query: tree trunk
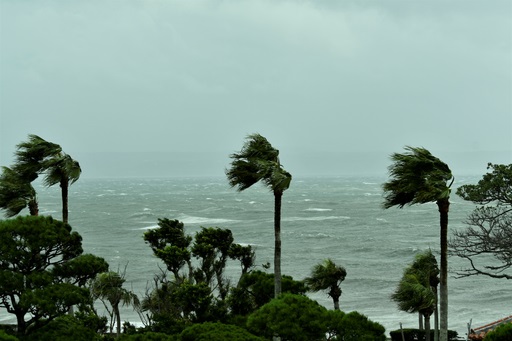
420, 321
277, 249
33, 207
118, 319
64, 185
444, 205
21, 324
436, 317
427, 327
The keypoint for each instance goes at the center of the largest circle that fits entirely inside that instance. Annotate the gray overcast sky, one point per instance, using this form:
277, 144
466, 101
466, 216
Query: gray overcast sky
337, 86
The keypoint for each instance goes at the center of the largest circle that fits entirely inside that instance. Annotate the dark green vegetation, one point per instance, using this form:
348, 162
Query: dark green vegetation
486, 243
417, 290
33, 158
418, 177
42, 270
501, 333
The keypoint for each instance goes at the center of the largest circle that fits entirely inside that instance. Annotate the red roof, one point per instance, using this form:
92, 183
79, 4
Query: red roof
480, 332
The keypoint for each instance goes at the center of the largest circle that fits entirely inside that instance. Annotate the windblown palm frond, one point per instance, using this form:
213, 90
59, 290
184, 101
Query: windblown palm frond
32, 156
417, 177
62, 168
16, 193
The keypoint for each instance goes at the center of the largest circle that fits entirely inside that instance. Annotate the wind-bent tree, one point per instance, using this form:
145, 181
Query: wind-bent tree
108, 287
259, 161
65, 171
38, 156
327, 276
42, 270
490, 225
16, 193
417, 177
417, 290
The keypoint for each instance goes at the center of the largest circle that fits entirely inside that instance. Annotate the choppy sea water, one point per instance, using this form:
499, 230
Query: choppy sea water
340, 218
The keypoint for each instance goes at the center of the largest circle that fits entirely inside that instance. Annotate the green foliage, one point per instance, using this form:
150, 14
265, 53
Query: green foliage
418, 335
291, 317
197, 293
417, 177
327, 276
416, 290
501, 333
39, 262
357, 327
7, 337
258, 161
16, 193
256, 288
64, 328
217, 332
486, 243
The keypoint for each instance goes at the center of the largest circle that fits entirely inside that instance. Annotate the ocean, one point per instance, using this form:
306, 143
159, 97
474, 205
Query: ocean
337, 217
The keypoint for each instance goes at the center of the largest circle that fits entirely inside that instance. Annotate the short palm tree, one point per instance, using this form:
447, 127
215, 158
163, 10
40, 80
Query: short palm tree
327, 276
16, 193
108, 287
417, 290
259, 161
417, 177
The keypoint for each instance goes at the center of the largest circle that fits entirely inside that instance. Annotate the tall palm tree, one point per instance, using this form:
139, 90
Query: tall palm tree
259, 161
417, 177
16, 193
327, 276
62, 169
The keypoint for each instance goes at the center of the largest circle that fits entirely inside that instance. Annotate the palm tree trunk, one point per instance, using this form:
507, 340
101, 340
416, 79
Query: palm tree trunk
427, 327
33, 207
64, 185
277, 249
436, 317
444, 205
420, 321
118, 319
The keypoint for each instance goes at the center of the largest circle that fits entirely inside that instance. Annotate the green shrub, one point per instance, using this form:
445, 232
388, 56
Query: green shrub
6, 337
64, 328
214, 331
501, 333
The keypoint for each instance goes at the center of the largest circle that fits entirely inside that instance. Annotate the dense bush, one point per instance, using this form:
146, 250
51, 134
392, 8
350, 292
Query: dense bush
501, 333
211, 331
354, 326
411, 334
291, 317
64, 328
6, 337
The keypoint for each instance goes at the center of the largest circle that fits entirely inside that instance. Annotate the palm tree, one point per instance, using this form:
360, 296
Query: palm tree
16, 193
108, 287
417, 290
327, 276
38, 156
417, 177
259, 161
63, 170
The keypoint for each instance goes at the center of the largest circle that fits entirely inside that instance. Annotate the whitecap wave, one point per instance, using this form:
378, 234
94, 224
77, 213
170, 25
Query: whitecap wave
186, 219
292, 219
313, 209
